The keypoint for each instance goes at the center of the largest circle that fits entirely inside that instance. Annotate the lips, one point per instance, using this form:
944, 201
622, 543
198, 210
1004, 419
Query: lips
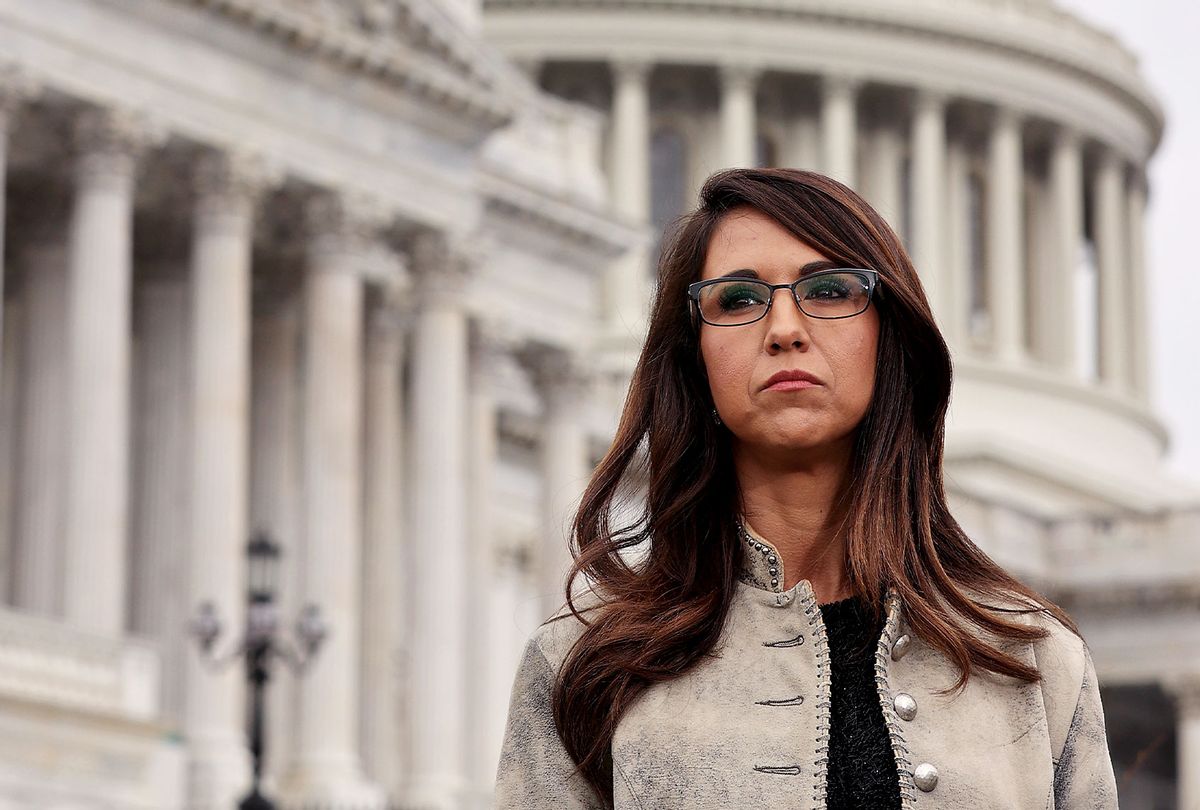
792, 375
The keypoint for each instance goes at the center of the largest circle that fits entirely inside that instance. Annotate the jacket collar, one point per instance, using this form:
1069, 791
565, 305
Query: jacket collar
762, 568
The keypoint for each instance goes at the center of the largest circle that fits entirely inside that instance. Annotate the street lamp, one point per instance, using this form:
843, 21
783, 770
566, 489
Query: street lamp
260, 645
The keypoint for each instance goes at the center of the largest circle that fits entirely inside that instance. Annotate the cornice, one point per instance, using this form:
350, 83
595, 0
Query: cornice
1101, 61
400, 43
578, 224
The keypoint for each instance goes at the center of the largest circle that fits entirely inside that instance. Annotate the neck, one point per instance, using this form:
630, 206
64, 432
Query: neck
795, 509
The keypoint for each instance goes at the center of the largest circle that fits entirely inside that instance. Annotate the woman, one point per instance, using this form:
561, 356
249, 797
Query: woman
806, 625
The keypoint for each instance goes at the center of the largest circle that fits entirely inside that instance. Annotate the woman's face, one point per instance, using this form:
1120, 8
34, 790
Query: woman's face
739, 360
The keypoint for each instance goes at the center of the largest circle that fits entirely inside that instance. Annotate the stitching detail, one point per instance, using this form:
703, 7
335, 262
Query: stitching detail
824, 687
786, 770
793, 701
791, 642
895, 730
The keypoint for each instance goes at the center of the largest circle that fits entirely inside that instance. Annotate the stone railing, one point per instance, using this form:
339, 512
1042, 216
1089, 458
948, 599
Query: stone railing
1129, 560
45, 661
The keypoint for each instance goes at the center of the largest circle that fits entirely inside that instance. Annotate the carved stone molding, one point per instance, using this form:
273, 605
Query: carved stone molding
558, 374
739, 75
391, 309
626, 70
237, 175
441, 267
343, 224
492, 344
229, 184
17, 87
108, 143
406, 44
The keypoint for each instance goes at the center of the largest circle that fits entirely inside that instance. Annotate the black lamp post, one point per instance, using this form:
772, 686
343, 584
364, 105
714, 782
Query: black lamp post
260, 645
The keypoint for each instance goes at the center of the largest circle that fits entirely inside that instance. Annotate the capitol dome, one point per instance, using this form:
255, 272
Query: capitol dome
1006, 141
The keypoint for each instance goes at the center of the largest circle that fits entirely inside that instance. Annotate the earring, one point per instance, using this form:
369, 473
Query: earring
716, 416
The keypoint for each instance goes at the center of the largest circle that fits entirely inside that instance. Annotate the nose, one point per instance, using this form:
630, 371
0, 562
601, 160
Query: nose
787, 325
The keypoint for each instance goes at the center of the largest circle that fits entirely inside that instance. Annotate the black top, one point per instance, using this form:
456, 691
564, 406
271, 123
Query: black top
862, 769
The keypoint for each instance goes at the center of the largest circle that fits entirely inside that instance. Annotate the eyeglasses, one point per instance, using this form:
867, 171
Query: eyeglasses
841, 292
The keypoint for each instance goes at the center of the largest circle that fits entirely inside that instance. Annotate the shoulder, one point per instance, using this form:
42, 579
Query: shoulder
1061, 657
555, 637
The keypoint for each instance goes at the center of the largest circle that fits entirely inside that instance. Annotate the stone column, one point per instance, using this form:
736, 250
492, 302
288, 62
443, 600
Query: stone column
1005, 237
162, 438
222, 231
98, 370
1112, 225
1138, 301
438, 389
839, 127
10, 352
629, 162
1066, 180
1186, 693
383, 535
928, 188
881, 180
327, 768
956, 249
559, 378
276, 481
739, 118
38, 551
491, 347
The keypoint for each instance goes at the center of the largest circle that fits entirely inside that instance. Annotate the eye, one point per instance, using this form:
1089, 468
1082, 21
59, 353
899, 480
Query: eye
735, 296
828, 288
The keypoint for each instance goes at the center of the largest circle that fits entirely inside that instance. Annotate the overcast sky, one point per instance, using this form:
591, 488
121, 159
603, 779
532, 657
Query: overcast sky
1165, 35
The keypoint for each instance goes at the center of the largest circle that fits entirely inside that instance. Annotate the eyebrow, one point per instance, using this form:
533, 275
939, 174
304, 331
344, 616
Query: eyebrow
811, 267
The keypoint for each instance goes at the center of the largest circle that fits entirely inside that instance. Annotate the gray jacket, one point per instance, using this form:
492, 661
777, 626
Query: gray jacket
749, 729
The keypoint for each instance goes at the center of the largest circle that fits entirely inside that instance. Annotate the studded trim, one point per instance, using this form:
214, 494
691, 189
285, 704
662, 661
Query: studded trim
908, 796
762, 566
824, 689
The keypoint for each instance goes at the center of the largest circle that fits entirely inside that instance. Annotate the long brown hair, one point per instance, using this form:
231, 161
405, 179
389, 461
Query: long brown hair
662, 615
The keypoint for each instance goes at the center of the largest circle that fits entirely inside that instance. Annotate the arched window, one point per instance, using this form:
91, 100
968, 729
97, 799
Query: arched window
668, 177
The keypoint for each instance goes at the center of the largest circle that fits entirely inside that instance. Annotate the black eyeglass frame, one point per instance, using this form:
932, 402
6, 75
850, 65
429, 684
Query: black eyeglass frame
693, 293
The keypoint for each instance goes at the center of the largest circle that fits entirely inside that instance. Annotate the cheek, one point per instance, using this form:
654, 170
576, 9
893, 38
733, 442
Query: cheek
857, 365
726, 367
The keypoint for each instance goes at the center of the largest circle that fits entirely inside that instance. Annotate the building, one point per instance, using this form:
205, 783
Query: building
269, 264
1007, 141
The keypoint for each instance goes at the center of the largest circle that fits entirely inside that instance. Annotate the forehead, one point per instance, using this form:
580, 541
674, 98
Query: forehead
747, 238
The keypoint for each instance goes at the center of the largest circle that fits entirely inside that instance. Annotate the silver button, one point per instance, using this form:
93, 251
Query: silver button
925, 776
905, 706
901, 647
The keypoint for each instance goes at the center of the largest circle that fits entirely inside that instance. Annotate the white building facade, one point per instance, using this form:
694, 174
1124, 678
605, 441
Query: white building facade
326, 270
1007, 142
370, 275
